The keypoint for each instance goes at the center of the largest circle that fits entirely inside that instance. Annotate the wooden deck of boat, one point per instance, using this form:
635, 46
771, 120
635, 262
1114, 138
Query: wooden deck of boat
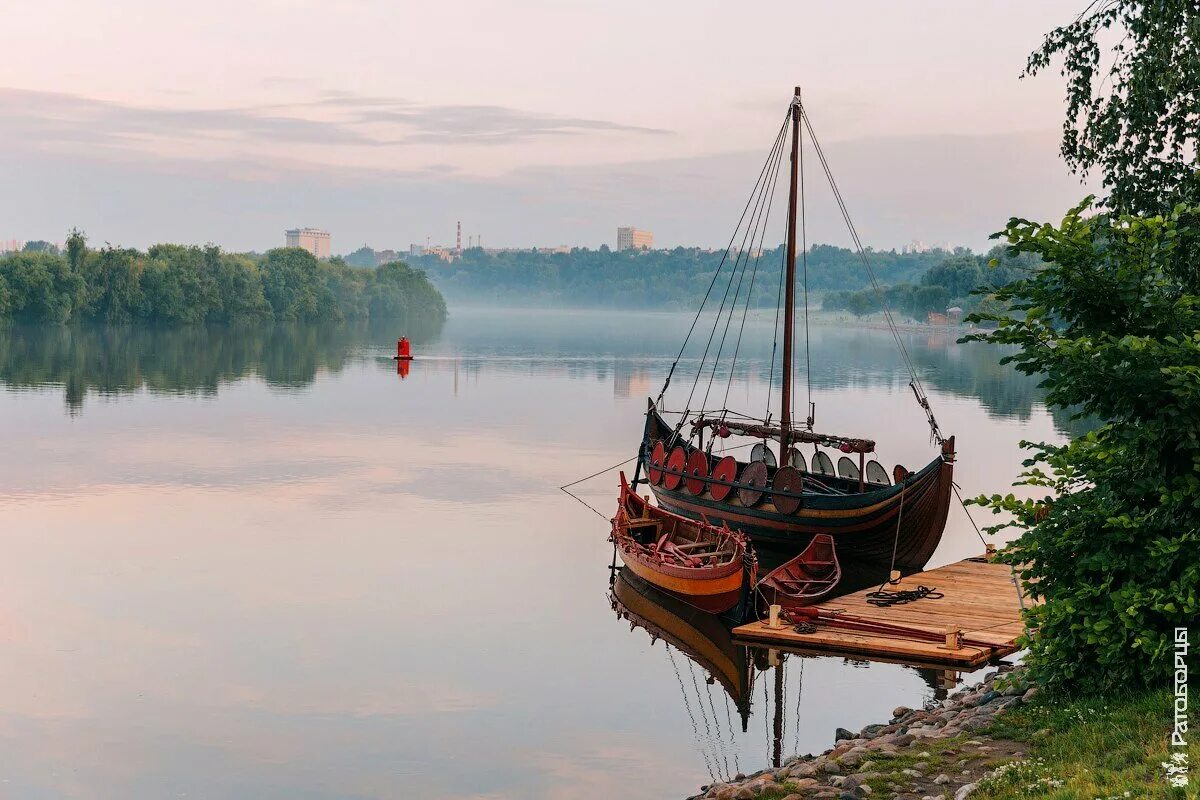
980, 600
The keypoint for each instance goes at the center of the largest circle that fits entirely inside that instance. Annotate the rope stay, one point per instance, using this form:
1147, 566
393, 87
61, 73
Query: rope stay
914, 380
720, 266
757, 200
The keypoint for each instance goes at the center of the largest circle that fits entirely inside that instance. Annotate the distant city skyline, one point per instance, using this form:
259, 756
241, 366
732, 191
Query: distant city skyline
924, 120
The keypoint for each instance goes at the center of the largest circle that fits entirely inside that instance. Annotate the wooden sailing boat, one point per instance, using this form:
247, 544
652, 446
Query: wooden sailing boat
871, 517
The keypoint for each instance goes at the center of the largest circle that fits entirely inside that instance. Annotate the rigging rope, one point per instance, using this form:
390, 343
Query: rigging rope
757, 248
804, 260
760, 189
720, 266
688, 705
914, 382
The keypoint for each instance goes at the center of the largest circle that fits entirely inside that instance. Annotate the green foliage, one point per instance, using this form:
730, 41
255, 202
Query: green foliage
964, 280
1112, 324
40, 246
1137, 121
40, 287
175, 284
293, 286
362, 257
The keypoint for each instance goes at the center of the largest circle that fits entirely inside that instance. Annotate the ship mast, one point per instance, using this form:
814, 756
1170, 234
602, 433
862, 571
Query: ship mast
790, 293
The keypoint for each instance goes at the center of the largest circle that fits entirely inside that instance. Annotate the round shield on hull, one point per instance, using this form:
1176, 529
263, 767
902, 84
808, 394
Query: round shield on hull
899, 473
697, 471
657, 456
725, 470
754, 475
760, 452
821, 464
876, 473
788, 481
847, 468
796, 459
676, 462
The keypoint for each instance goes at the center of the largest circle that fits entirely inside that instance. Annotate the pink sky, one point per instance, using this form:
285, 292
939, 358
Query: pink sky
534, 122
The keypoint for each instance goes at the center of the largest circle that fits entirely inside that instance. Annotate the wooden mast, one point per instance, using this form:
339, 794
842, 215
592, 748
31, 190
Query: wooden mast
790, 293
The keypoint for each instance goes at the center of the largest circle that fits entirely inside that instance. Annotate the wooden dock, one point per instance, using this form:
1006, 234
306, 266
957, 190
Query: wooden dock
980, 601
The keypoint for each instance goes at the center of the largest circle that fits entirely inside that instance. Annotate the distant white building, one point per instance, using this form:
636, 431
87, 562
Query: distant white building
313, 240
634, 239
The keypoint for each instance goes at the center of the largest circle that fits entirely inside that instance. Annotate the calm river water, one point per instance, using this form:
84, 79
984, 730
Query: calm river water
260, 564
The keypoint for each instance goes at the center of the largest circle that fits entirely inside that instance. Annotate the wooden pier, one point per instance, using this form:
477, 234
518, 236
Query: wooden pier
980, 603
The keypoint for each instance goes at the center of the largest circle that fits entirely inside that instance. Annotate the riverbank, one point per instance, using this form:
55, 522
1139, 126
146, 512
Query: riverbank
996, 741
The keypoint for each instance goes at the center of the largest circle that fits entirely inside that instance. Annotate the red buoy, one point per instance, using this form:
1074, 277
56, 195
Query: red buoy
403, 349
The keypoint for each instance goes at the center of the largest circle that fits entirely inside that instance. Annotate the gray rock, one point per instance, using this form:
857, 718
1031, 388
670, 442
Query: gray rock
921, 766
804, 771
866, 766
1029, 695
744, 793
964, 791
806, 783
851, 759
871, 731
900, 711
942, 780
831, 768
841, 734
903, 739
794, 796
912, 773
850, 782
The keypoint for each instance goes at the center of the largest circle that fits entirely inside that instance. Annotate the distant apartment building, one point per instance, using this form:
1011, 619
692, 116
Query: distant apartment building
11, 246
634, 239
311, 239
385, 257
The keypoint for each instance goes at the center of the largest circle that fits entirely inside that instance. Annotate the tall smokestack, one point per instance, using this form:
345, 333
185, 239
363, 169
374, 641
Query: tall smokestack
458, 241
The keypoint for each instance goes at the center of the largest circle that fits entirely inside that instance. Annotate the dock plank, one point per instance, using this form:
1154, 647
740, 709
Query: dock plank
980, 600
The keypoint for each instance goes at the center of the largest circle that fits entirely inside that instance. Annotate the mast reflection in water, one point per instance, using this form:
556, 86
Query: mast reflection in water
718, 678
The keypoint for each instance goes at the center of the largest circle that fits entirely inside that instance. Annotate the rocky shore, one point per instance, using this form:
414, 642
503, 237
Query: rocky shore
939, 751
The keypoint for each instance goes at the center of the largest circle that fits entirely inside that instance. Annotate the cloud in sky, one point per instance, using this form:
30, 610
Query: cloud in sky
57, 120
534, 123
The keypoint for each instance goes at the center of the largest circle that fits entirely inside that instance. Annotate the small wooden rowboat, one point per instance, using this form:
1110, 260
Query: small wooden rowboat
693, 560
806, 578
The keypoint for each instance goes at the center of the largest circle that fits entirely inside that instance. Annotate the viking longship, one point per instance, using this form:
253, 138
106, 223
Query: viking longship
895, 518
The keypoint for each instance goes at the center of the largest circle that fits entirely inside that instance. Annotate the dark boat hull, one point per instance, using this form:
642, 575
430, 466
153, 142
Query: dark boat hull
907, 518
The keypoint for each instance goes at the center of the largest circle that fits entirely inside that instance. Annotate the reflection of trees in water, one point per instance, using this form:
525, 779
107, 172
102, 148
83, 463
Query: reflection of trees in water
188, 360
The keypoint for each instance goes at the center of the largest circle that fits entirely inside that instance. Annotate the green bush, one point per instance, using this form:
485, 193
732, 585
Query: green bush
1112, 324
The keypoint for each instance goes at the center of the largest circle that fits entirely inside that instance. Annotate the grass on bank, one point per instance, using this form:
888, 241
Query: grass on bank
1108, 748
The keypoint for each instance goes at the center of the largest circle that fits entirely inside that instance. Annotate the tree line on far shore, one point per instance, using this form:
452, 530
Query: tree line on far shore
176, 284
654, 279
964, 280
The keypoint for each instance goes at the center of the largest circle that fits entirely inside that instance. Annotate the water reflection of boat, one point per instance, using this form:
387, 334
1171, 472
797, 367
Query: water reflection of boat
785, 500
699, 563
701, 637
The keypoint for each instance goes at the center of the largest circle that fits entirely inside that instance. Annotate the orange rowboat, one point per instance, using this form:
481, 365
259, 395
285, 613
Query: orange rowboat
693, 560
